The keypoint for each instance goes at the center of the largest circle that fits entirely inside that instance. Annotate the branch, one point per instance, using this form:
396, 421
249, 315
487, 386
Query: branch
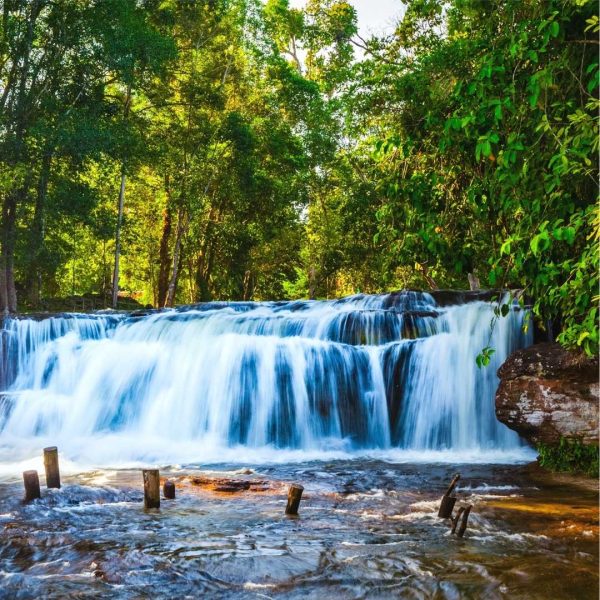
363, 44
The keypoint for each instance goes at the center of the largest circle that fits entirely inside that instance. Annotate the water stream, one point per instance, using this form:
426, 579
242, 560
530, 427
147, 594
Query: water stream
371, 402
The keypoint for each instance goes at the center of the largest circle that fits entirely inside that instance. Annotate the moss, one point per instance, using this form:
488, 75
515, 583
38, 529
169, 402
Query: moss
571, 456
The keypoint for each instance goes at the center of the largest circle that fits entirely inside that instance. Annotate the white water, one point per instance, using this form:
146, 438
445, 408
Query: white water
259, 382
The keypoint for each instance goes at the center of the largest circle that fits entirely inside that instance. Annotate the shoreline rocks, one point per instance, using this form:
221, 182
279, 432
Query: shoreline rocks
547, 393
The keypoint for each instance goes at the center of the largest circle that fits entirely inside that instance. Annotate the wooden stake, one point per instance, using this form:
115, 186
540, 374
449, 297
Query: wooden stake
51, 467
169, 490
463, 523
447, 503
452, 485
446, 506
294, 497
32, 485
455, 519
151, 488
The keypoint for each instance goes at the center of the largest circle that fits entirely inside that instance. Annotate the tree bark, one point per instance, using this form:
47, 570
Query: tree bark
312, 283
8, 294
115, 286
164, 254
249, 283
115, 290
474, 284
202, 267
172, 289
38, 232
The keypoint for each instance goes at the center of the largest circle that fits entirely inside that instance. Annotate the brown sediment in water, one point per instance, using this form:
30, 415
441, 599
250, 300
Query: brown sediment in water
552, 519
219, 485
546, 508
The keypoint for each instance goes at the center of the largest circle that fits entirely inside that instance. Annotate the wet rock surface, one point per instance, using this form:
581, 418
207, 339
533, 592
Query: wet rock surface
546, 393
231, 485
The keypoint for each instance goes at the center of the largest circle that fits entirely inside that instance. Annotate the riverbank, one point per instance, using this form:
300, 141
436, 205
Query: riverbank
366, 528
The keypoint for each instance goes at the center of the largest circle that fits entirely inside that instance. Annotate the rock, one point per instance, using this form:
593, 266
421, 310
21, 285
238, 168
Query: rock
453, 297
230, 485
546, 393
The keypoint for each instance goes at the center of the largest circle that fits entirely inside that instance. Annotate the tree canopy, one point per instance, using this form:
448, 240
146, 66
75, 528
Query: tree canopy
178, 151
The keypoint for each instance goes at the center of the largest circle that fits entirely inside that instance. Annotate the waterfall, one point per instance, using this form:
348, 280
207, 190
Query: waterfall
364, 373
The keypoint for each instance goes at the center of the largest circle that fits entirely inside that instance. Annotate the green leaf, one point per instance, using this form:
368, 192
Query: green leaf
505, 248
582, 337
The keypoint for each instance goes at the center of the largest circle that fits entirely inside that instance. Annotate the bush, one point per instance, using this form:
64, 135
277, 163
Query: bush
571, 456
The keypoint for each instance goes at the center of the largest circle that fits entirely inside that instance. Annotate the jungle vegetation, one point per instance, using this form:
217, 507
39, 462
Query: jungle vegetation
176, 151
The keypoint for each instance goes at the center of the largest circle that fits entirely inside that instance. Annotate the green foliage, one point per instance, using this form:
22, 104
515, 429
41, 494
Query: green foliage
490, 157
570, 456
484, 357
265, 158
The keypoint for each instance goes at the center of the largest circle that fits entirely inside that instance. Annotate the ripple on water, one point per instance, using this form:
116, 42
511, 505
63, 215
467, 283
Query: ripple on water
384, 540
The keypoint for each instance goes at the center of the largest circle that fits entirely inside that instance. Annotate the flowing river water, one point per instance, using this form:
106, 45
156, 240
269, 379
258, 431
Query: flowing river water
370, 402
366, 529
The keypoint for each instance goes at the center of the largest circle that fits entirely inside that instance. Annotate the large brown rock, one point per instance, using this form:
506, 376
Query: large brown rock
546, 393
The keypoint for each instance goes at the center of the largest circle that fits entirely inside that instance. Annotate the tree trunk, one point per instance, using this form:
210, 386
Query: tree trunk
164, 254
8, 293
105, 276
312, 283
248, 285
6, 208
115, 290
474, 284
172, 289
115, 286
202, 267
38, 232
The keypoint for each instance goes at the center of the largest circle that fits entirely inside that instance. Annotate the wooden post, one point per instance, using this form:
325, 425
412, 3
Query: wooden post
51, 466
32, 485
463, 523
294, 497
447, 503
151, 488
446, 507
452, 485
455, 519
169, 490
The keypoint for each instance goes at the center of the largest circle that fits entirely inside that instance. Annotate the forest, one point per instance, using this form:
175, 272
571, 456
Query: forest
178, 151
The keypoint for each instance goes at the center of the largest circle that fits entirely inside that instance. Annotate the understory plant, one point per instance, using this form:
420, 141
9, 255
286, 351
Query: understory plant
570, 456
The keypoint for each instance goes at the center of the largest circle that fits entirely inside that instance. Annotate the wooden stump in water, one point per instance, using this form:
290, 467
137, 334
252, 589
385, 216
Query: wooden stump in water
452, 485
447, 503
455, 519
51, 467
32, 485
169, 490
294, 497
446, 507
151, 488
463, 523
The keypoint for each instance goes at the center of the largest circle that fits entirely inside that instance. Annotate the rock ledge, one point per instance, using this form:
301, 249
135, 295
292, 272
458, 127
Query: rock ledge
546, 393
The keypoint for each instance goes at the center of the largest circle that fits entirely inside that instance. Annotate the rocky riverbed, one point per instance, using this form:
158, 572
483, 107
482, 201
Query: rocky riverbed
366, 529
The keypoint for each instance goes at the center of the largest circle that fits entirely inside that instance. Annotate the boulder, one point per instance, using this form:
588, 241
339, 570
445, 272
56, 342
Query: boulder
546, 393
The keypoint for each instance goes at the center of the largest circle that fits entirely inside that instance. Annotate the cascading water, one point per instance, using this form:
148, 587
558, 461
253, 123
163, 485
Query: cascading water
218, 381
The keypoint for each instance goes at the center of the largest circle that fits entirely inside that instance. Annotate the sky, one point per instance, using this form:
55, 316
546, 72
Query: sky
374, 16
